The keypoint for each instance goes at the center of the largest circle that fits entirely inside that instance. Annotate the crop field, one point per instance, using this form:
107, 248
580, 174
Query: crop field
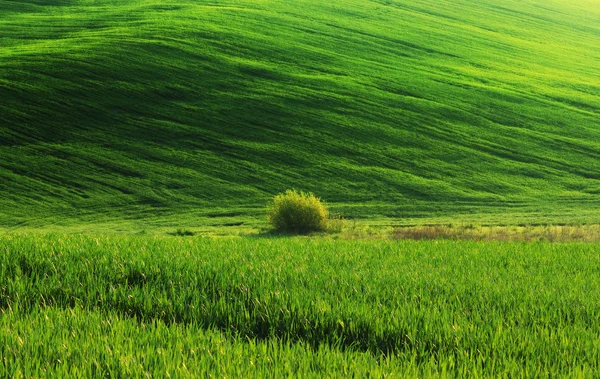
456, 144
131, 306
145, 111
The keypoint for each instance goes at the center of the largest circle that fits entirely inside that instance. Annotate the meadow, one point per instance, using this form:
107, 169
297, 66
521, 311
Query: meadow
456, 141
136, 114
133, 306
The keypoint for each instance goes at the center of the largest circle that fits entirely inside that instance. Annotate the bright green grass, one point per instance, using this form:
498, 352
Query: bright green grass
130, 305
196, 113
72, 343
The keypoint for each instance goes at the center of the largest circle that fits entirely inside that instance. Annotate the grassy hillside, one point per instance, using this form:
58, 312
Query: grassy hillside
189, 111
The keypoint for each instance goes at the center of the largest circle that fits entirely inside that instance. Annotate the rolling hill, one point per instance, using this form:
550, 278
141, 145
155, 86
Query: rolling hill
197, 112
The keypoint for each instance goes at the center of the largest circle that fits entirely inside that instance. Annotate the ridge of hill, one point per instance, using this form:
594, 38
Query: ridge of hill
199, 111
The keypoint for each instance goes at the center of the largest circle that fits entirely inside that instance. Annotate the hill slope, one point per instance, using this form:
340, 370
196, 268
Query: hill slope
126, 110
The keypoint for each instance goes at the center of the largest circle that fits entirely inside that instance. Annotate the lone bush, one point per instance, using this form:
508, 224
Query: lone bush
298, 212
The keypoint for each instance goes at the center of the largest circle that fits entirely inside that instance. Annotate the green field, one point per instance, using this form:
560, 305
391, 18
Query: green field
126, 306
140, 141
136, 114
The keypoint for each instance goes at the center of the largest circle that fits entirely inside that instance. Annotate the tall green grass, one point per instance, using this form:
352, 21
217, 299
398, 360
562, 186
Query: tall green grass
75, 343
419, 308
118, 111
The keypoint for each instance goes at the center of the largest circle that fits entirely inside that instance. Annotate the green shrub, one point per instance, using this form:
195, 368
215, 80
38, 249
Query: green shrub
298, 212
